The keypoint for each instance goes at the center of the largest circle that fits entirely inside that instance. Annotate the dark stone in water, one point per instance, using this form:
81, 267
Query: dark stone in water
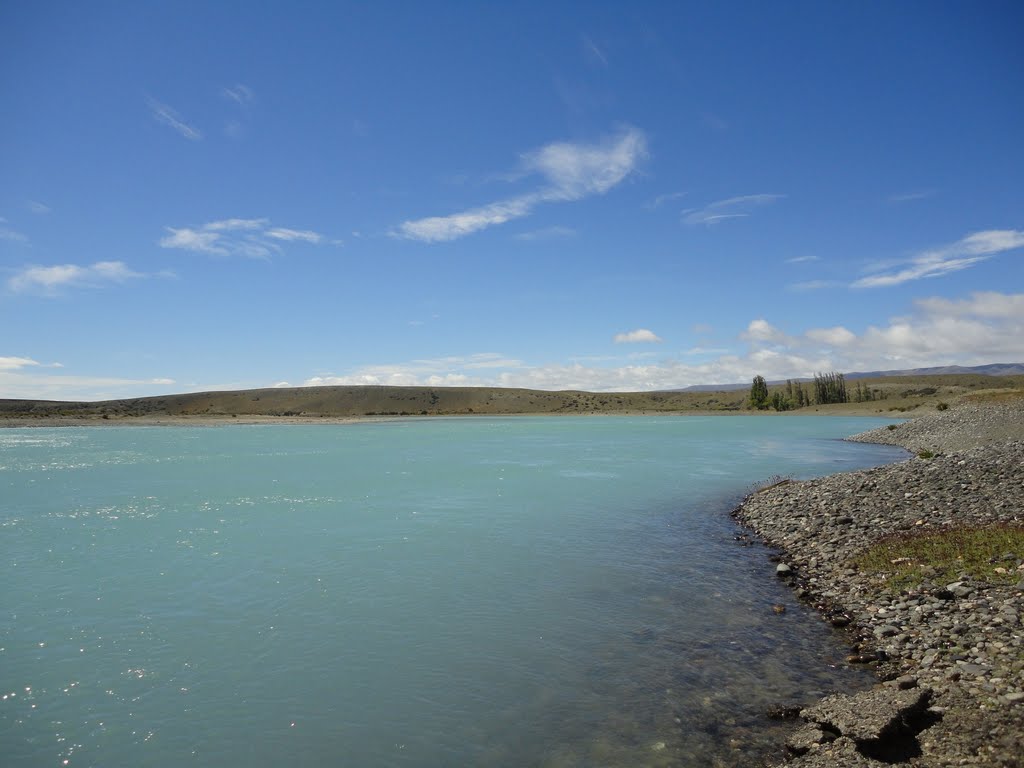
783, 712
644, 635
862, 658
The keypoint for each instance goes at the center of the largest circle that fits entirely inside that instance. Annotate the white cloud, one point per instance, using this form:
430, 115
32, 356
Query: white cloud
49, 280
192, 240
983, 328
992, 241
595, 54
240, 94
571, 171
802, 259
164, 114
253, 238
838, 336
980, 304
289, 235
16, 363
580, 170
46, 386
761, 330
36, 207
964, 253
12, 236
908, 197
640, 335
730, 208
662, 199
704, 351
433, 372
231, 225
980, 328
436, 229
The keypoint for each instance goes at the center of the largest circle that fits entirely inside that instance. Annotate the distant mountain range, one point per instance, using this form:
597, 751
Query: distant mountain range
995, 369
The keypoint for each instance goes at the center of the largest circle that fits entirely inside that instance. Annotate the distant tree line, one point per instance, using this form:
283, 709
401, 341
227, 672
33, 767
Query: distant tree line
824, 389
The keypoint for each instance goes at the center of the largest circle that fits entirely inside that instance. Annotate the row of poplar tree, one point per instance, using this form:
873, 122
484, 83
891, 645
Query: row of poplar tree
824, 389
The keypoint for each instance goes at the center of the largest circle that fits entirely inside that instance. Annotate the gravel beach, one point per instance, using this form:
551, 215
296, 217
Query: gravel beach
949, 654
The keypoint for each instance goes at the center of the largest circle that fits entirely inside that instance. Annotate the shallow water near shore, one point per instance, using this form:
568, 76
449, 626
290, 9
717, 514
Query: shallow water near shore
489, 592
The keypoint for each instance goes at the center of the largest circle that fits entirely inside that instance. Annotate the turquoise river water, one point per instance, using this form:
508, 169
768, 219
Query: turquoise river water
445, 592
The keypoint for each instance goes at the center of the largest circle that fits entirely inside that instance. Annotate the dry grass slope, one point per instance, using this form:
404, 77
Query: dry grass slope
902, 396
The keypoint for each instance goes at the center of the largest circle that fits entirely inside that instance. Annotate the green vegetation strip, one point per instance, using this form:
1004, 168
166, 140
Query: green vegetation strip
985, 554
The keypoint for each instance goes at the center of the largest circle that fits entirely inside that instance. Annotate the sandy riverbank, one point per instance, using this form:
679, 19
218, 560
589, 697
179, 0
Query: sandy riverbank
949, 656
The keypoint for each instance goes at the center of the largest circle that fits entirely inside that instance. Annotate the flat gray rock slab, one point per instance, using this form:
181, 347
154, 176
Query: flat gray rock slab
870, 715
841, 753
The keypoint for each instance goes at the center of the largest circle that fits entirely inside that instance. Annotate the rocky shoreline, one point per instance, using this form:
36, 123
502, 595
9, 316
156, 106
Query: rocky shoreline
949, 654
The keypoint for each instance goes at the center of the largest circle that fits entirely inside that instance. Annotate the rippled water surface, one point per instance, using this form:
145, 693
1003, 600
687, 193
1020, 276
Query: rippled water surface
487, 592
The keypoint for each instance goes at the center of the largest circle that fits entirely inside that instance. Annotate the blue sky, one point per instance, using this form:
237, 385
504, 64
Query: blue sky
554, 195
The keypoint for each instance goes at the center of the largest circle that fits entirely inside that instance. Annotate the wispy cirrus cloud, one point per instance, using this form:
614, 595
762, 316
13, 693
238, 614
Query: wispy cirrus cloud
571, 172
252, 238
803, 259
660, 200
11, 235
909, 197
594, 54
37, 208
49, 281
639, 336
164, 114
730, 208
17, 363
242, 97
436, 229
239, 94
291, 235
966, 252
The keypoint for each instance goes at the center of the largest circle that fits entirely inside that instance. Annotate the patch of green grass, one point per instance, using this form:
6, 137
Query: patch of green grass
925, 455
986, 554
